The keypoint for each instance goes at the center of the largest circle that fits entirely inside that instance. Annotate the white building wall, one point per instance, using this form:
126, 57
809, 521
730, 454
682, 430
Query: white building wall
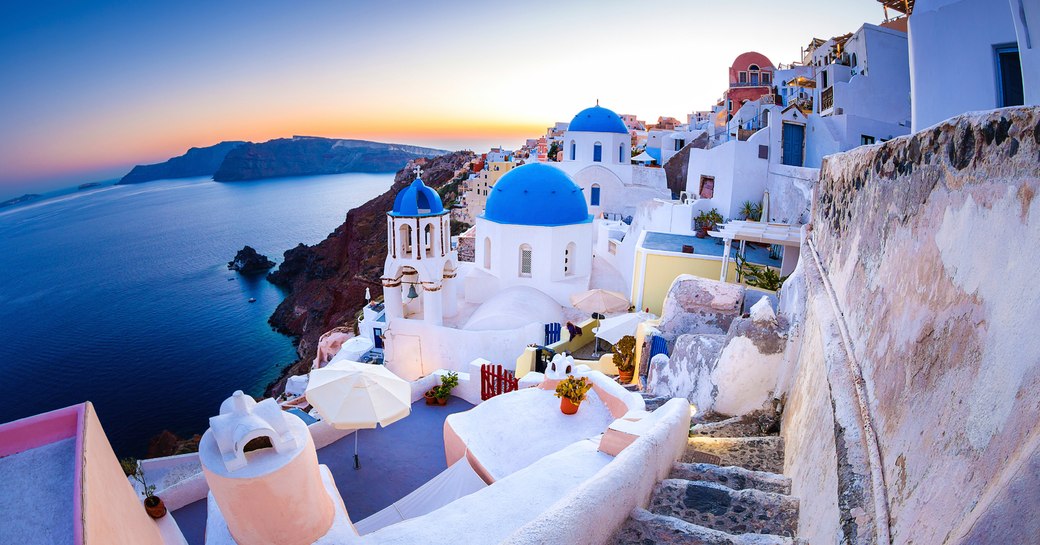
547, 254
952, 58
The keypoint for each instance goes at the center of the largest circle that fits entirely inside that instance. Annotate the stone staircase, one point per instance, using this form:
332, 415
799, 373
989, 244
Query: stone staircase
726, 490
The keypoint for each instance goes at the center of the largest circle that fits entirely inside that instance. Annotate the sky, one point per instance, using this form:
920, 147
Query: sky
91, 88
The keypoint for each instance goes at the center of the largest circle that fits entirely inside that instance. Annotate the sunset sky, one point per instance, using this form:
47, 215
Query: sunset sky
92, 88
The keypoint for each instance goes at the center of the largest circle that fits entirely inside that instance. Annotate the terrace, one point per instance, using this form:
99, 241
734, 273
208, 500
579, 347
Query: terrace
394, 461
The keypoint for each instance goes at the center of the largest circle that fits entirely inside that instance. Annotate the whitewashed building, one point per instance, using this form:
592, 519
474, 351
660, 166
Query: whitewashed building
971, 55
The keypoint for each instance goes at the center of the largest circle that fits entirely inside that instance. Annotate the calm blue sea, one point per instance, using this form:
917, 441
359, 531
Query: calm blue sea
121, 296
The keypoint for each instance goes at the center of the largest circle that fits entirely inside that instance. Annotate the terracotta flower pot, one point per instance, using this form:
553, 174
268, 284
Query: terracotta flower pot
430, 399
626, 376
154, 506
567, 406
442, 401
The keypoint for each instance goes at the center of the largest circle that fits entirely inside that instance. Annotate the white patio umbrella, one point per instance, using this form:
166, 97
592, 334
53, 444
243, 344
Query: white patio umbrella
613, 329
353, 395
600, 300
643, 158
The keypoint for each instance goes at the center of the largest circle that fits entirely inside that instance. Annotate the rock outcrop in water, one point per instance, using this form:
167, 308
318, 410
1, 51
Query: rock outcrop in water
307, 155
249, 261
326, 282
20, 200
196, 162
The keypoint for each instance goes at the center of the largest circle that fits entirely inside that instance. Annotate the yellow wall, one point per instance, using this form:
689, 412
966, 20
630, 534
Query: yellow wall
525, 362
662, 269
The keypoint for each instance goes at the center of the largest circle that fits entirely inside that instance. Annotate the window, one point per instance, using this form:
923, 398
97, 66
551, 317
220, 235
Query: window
1009, 77
568, 256
597, 152
525, 261
574, 151
742, 77
766, 78
707, 189
866, 140
855, 61
823, 80
594, 195
765, 118
679, 143
621, 153
487, 253
405, 235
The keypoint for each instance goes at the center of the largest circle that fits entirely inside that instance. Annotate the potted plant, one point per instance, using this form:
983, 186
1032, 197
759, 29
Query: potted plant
707, 221
153, 505
571, 392
625, 358
441, 393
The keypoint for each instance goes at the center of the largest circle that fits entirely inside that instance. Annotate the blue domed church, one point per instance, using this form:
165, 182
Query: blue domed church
536, 231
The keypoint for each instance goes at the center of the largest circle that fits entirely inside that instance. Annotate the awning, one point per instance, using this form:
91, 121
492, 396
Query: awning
755, 231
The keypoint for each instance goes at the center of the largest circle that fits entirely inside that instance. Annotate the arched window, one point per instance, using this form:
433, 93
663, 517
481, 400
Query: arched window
854, 60
574, 151
765, 118
594, 195
405, 234
568, 259
428, 239
487, 253
753, 71
525, 260
597, 152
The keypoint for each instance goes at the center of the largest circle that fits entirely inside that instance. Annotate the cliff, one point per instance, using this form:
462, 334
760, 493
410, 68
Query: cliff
306, 155
196, 162
326, 282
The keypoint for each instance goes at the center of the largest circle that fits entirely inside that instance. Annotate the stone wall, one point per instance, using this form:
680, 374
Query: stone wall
920, 326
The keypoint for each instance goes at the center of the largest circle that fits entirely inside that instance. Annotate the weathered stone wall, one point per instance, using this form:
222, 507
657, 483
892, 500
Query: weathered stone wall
922, 316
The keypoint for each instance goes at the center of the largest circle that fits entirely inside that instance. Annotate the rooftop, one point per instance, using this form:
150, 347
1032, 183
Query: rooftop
710, 246
36, 488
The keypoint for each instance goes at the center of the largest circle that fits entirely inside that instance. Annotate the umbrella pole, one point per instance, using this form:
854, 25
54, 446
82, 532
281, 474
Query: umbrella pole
357, 463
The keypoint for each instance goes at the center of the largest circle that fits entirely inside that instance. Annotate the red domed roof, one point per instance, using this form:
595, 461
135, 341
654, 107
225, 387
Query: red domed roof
744, 60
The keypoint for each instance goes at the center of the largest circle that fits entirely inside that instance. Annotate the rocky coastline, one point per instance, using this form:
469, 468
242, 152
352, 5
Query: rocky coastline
326, 282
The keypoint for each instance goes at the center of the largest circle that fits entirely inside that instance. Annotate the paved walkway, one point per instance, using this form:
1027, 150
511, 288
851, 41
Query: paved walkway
394, 461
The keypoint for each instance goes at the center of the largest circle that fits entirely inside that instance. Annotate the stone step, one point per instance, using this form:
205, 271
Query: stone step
733, 477
754, 453
721, 508
738, 426
646, 528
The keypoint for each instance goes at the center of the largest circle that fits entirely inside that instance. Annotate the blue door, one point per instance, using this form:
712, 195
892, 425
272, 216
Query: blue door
794, 144
594, 196
377, 337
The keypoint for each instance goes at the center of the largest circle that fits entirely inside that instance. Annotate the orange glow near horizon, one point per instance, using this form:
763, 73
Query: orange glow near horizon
85, 106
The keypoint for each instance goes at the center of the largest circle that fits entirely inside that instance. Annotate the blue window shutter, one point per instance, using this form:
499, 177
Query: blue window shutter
594, 196
597, 153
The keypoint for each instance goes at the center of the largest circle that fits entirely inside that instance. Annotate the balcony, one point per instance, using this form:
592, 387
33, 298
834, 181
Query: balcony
827, 99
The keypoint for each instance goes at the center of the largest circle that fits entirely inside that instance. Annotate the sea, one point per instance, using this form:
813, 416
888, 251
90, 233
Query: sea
121, 296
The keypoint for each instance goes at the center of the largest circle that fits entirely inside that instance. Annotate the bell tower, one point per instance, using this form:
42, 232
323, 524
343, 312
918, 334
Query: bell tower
420, 267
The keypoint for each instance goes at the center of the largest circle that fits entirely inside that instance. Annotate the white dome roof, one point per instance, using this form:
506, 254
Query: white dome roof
515, 307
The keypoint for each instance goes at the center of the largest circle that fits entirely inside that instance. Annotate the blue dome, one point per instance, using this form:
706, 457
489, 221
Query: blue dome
536, 194
417, 200
597, 119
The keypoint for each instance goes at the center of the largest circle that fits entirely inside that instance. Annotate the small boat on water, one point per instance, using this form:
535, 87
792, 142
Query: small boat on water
252, 299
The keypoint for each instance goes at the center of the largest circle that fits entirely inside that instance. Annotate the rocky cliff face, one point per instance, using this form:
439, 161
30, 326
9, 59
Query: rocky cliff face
306, 155
327, 281
197, 162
